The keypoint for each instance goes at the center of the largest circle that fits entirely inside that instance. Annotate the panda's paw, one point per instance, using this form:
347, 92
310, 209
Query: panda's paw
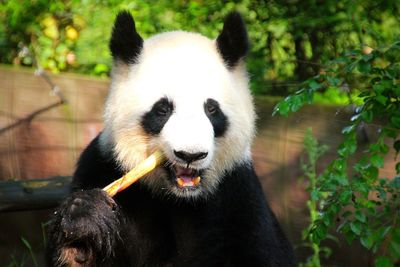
85, 229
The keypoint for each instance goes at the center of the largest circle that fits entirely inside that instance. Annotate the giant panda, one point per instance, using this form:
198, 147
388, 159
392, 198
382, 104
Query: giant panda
187, 96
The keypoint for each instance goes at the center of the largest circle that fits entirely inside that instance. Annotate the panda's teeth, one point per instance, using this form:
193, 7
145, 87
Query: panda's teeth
188, 182
196, 181
186, 177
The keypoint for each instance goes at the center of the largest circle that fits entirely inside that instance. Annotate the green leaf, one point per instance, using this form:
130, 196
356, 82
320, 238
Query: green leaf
345, 196
356, 227
314, 194
360, 216
319, 233
348, 147
350, 67
395, 121
371, 172
364, 67
26, 243
378, 88
334, 81
350, 237
367, 241
377, 160
295, 103
385, 231
379, 147
314, 85
381, 99
390, 132
348, 129
367, 115
383, 261
282, 108
382, 193
395, 183
387, 82
397, 90
395, 248
100, 68
340, 165
359, 185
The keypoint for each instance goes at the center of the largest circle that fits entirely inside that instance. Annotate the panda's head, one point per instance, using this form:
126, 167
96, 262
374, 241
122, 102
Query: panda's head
185, 95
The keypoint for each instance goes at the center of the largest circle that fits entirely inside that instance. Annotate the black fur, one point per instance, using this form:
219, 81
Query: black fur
85, 229
217, 118
234, 227
154, 120
233, 42
125, 44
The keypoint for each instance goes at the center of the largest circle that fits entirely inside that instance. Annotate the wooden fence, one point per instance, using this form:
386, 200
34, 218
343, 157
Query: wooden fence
40, 137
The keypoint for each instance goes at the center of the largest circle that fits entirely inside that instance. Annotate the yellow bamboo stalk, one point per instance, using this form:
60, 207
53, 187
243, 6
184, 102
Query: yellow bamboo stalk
135, 174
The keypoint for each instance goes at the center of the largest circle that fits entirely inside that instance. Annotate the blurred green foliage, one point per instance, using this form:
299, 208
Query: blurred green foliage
290, 38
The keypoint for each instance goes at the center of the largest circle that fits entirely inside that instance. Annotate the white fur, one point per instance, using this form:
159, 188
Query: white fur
186, 68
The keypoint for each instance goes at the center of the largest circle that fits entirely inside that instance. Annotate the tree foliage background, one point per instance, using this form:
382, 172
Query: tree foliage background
290, 38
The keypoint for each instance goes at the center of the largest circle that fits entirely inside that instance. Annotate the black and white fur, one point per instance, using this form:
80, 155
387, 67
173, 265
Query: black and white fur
187, 96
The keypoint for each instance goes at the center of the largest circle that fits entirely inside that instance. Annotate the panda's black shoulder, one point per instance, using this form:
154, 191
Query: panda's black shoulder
240, 181
242, 196
94, 168
247, 212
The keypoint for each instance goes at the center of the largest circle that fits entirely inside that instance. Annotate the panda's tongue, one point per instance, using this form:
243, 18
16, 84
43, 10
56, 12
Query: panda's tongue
186, 177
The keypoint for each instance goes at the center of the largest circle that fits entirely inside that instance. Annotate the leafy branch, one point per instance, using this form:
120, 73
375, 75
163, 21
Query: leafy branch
366, 205
309, 167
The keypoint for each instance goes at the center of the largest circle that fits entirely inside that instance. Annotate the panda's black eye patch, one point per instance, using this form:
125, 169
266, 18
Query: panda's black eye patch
217, 118
154, 120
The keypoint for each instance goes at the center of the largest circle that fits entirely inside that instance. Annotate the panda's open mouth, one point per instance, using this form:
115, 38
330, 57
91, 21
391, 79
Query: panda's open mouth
185, 178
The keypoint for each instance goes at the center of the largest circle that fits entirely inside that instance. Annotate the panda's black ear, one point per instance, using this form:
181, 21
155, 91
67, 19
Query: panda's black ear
233, 42
125, 44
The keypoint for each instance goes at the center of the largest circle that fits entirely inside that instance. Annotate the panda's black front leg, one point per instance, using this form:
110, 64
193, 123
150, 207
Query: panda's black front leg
85, 230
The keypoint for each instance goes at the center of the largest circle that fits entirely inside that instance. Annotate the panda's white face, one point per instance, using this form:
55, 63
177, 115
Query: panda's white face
180, 97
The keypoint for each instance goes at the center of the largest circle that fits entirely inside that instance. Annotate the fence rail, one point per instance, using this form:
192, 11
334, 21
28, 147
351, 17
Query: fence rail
33, 194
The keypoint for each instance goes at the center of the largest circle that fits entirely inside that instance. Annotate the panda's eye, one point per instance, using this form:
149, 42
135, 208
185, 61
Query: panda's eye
162, 108
211, 107
216, 116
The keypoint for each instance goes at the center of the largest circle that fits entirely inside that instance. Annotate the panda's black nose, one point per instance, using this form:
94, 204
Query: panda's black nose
190, 157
